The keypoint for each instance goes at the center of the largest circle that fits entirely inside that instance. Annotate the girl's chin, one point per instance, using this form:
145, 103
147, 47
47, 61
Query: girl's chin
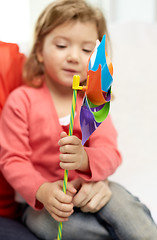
66, 84
68, 81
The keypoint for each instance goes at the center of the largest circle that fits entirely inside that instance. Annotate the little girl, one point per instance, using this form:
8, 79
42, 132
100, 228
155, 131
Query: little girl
36, 149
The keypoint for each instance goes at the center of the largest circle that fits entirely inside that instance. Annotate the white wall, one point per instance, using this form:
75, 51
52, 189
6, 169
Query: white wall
36, 7
17, 17
14, 20
134, 10
134, 109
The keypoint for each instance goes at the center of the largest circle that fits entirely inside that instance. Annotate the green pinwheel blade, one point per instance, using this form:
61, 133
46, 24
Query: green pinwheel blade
100, 115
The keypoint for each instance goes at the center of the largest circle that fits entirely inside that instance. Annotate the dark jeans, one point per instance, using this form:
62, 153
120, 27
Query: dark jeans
14, 230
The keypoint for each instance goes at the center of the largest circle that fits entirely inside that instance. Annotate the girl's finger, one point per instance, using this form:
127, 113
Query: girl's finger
67, 158
58, 218
69, 166
60, 213
69, 149
82, 197
61, 206
63, 134
73, 140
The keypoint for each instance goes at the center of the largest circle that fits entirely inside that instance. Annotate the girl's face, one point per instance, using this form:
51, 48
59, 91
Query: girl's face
66, 50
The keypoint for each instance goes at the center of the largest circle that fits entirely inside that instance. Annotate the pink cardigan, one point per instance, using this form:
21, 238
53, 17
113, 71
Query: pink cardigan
29, 135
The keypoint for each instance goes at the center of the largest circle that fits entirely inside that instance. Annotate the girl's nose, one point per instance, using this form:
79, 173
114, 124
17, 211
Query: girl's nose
73, 55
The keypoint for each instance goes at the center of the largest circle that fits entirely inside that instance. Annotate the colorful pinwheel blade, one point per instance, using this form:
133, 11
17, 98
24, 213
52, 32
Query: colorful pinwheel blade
96, 103
99, 58
91, 118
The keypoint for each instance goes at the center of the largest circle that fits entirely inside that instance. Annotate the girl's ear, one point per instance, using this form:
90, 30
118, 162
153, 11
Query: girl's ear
39, 55
39, 52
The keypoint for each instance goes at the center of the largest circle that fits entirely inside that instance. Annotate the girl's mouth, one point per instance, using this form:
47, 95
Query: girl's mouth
71, 71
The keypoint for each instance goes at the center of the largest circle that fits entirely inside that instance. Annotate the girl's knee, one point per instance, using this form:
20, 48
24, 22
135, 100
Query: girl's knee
41, 223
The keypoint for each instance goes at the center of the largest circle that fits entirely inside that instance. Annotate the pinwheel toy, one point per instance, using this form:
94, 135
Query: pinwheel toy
96, 102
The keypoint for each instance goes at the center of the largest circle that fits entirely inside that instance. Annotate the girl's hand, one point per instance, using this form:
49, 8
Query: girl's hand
73, 155
92, 196
56, 202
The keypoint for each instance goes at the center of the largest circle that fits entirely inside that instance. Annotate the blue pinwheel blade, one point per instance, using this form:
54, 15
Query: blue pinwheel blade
99, 58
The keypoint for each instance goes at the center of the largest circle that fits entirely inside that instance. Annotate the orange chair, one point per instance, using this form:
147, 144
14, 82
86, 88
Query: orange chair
11, 63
